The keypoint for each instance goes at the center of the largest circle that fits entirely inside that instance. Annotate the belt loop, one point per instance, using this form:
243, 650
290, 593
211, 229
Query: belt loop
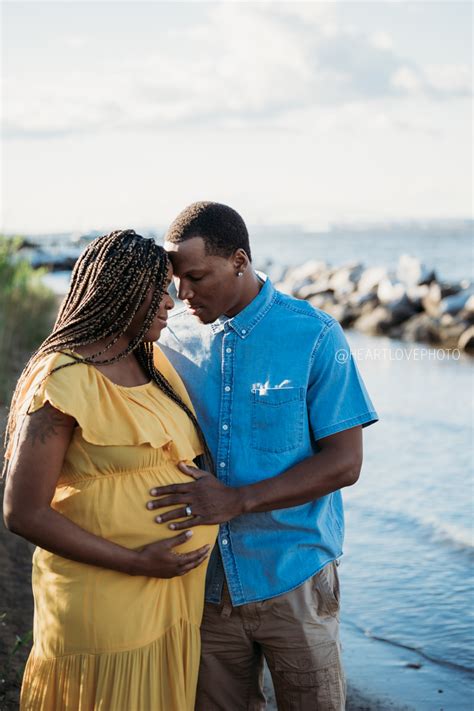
226, 609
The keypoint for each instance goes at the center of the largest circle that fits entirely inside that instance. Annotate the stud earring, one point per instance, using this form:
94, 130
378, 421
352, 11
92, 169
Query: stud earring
239, 274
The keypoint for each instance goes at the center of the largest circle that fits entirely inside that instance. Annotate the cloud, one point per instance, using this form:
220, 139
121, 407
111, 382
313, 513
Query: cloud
240, 64
450, 79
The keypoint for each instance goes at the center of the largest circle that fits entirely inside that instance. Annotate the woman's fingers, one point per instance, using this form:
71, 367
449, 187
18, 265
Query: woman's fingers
195, 472
177, 540
194, 563
186, 558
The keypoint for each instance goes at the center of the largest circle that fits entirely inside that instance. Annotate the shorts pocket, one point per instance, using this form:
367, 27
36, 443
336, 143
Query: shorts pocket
309, 678
277, 419
327, 590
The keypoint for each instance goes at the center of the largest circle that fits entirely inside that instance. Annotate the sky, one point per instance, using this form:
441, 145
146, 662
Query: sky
119, 114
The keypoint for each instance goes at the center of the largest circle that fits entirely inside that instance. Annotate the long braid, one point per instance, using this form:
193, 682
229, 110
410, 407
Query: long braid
108, 285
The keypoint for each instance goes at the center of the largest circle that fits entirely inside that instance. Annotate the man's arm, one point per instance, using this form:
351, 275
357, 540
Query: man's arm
336, 465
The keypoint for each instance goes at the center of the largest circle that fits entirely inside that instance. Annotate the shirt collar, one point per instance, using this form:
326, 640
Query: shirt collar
247, 319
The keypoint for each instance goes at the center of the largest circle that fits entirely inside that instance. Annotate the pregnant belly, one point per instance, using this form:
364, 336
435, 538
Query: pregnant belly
114, 507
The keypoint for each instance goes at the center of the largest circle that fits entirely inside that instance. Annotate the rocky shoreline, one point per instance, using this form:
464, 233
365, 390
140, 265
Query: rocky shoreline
409, 303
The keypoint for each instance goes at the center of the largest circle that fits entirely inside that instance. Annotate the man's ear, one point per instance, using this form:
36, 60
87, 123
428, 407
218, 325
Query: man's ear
240, 260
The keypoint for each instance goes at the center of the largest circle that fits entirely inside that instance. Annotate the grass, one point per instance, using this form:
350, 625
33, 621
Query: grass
27, 311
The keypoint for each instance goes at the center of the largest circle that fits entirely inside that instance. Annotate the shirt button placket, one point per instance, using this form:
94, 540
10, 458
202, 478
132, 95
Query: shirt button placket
226, 405
224, 447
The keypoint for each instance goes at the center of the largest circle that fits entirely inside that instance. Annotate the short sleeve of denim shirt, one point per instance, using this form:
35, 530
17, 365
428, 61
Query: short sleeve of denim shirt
337, 398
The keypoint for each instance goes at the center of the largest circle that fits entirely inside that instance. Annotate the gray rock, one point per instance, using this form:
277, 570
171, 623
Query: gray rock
323, 300
456, 302
421, 327
469, 305
344, 279
417, 293
298, 277
358, 300
450, 334
316, 287
371, 278
400, 311
375, 322
466, 340
343, 313
411, 271
389, 291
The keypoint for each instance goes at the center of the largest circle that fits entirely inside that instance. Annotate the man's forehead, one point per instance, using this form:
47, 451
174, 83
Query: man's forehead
193, 245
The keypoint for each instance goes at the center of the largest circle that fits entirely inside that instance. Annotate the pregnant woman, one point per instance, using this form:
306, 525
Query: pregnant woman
98, 417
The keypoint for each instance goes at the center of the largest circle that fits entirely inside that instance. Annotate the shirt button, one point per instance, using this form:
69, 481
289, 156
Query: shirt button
227, 388
228, 350
225, 427
222, 465
243, 332
225, 541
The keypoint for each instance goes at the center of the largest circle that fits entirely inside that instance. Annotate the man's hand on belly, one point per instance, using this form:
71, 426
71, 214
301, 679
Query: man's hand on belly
203, 501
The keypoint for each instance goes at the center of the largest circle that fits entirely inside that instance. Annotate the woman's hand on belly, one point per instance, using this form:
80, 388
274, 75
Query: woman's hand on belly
159, 559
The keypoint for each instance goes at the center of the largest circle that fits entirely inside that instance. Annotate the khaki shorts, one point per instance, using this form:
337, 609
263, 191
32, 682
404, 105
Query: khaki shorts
296, 633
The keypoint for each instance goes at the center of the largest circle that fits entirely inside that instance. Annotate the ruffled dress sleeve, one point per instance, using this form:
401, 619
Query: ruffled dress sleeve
112, 415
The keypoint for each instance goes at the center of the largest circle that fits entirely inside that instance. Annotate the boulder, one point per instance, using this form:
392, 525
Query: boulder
466, 341
344, 279
371, 278
412, 272
343, 313
321, 301
453, 304
432, 300
298, 277
375, 322
421, 327
389, 291
400, 310
319, 286
451, 333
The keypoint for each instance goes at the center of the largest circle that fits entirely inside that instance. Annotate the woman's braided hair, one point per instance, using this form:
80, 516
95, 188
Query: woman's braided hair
109, 283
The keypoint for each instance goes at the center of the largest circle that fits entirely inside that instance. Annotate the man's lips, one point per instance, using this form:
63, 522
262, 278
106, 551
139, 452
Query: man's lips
194, 308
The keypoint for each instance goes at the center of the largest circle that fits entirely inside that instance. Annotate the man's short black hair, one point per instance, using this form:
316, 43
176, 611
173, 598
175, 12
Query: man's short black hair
221, 228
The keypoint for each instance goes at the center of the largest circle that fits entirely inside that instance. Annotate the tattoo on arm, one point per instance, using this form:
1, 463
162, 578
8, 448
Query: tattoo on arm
44, 423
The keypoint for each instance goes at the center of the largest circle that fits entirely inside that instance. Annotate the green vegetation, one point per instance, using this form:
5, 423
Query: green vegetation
27, 311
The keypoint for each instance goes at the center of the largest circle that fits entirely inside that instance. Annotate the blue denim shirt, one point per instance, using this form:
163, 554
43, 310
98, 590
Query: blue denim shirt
266, 385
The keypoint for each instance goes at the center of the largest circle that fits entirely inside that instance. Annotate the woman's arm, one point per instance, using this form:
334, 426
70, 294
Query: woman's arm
32, 477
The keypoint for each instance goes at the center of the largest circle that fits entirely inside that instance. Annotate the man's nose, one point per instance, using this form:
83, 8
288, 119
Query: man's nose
183, 290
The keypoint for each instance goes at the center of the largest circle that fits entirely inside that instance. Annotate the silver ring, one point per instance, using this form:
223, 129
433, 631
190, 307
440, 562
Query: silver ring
188, 510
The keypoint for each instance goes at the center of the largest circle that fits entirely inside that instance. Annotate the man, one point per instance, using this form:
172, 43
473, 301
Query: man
282, 406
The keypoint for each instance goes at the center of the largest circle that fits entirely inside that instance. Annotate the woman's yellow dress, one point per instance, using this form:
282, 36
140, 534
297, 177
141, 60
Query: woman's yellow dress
105, 640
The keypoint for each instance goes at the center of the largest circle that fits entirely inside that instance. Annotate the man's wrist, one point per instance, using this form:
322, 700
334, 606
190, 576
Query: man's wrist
245, 500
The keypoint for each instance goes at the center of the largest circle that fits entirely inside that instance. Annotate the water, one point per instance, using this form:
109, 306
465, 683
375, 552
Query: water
447, 247
407, 569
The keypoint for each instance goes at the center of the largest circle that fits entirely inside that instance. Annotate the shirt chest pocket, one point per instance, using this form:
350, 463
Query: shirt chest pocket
277, 419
